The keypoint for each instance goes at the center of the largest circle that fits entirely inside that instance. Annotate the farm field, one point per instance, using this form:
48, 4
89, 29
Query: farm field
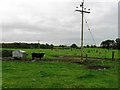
17, 74
52, 72
91, 52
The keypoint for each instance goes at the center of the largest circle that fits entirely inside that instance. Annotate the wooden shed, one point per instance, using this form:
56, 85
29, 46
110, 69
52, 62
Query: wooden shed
19, 54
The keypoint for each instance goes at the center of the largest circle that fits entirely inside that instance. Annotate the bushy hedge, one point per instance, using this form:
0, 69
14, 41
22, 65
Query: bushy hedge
6, 53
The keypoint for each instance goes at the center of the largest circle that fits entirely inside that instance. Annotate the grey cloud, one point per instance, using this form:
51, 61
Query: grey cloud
61, 25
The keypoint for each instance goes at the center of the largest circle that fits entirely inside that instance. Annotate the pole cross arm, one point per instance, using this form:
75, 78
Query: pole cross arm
82, 11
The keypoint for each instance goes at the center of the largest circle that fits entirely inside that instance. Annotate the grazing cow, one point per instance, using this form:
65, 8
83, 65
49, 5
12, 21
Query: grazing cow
99, 52
96, 51
88, 51
37, 55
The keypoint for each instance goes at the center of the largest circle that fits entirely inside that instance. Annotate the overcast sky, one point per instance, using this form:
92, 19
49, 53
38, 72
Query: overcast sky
55, 22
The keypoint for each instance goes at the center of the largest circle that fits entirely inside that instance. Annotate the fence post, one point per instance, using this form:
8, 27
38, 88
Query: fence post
86, 56
105, 54
113, 55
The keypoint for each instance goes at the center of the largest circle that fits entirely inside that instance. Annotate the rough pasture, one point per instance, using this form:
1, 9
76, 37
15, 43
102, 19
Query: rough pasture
59, 74
91, 52
54, 74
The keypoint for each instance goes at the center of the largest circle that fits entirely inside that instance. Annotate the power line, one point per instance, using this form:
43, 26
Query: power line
90, 31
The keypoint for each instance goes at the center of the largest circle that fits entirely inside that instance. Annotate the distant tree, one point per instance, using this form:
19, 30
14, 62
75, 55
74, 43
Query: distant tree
87, 46
33, 45
47, 46
92, 46
74, 46
63, 46
42, 46
118, 43
51, 46
108, 44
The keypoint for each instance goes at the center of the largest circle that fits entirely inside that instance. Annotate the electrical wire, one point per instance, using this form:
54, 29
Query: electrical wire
90, 31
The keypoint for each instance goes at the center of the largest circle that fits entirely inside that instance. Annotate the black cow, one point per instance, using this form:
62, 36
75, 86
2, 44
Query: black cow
37, 55
88, 51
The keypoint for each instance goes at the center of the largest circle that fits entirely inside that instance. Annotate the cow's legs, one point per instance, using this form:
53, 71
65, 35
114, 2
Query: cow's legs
32, 58
40, 58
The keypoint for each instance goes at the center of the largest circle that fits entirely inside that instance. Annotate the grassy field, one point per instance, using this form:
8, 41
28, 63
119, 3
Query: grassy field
0, 74
91, 52
17, 74
47, 74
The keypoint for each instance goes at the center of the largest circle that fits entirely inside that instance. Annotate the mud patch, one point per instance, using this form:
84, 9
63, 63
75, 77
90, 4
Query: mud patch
67, 57
98, 67
85, 76
79, 62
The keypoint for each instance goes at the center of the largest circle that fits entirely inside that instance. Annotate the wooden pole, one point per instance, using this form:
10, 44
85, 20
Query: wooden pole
113, 55
38, 44
82, 11
86, 56
82, 32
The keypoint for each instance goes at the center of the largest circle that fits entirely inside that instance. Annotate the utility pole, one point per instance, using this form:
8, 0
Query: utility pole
38, 44
82, 11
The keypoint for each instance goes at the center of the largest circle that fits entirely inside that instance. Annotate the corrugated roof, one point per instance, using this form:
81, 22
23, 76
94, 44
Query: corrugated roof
20, 51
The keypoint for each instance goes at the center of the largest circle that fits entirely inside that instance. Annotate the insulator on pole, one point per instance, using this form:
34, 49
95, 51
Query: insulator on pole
82, 12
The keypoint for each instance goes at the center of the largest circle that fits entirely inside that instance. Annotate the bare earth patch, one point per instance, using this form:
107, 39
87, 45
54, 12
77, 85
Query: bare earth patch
98, 67
71, 59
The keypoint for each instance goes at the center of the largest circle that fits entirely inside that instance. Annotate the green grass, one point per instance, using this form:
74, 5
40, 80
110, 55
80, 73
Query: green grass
0, 74
49, 54
18, 74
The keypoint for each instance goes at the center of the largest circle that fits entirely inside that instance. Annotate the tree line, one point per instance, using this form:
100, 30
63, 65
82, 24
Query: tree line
114, 44
27, 45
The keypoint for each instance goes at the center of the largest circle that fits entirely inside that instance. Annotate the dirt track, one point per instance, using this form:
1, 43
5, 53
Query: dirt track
76, 60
